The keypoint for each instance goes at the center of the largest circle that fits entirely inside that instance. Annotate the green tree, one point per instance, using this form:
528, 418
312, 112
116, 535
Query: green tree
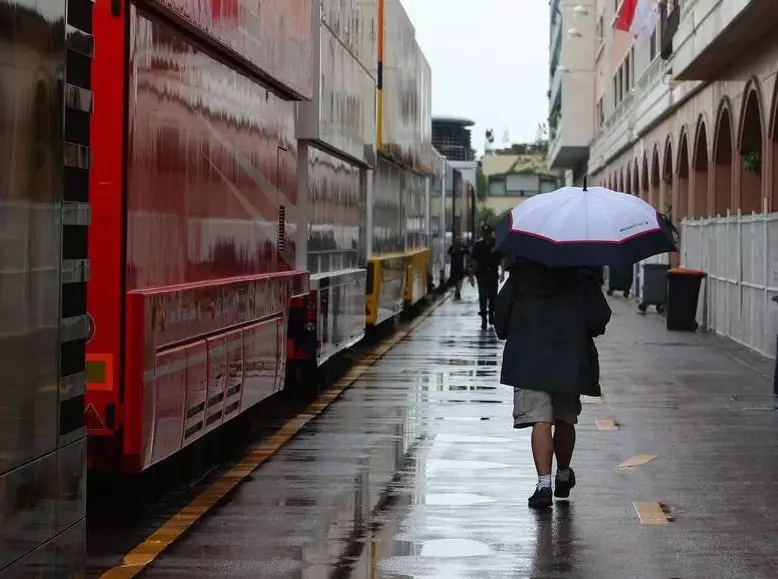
485, 215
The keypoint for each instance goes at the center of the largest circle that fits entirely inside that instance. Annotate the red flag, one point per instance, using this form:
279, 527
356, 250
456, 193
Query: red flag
626, 15
225, 10
645, 20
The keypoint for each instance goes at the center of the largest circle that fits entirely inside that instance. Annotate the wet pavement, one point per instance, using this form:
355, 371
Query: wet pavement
415, 472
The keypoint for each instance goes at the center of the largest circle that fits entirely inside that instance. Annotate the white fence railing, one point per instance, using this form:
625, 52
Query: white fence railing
740, 255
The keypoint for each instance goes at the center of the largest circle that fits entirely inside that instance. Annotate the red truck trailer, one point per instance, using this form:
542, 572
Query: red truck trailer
194, 217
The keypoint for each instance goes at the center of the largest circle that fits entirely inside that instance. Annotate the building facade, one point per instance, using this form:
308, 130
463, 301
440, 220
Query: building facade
574, 43
511, 179
451, 137
687, 121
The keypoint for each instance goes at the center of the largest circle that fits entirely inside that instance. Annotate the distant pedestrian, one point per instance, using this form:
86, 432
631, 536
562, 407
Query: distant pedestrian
549, 317
486, 266
458, 255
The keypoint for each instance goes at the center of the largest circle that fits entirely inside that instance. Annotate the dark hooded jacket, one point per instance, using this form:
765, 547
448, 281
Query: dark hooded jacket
549, 318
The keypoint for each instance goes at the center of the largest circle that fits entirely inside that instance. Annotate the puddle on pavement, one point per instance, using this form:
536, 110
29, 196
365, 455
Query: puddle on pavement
463, 418
456, 499
454, 548
470, 401
437, 465
443, 437
454, 361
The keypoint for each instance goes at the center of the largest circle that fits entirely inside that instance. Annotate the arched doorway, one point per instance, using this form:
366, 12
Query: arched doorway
773, 134
636, 178
666, 193
653, 192
644, 182
751, 151
681, 200
699, 197
722, 161
628, 180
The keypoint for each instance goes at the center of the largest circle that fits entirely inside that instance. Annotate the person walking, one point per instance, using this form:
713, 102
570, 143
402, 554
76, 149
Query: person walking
458, 255
486, 266
549, 318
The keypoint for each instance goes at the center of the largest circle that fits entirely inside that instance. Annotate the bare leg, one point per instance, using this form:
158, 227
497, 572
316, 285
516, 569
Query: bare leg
542, 448
564, 443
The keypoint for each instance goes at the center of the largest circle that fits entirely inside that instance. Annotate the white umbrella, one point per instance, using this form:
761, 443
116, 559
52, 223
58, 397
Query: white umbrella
589, 226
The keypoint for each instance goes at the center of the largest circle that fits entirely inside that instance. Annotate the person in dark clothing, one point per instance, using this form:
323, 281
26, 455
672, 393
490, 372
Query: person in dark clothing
458, 255
550, 317
486, 265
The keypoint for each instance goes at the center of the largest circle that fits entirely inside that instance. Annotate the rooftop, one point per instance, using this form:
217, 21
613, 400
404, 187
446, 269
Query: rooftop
463, 121
500, 164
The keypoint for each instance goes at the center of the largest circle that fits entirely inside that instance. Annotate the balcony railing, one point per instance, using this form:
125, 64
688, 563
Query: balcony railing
556, 142
556, 86
713, 35
556, 36
624, 115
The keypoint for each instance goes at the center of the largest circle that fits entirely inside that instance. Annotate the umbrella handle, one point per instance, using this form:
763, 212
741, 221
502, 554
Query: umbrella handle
584, 183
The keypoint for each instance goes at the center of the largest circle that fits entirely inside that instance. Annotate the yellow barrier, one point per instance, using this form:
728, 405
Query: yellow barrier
395, 281
387, 278
418, 273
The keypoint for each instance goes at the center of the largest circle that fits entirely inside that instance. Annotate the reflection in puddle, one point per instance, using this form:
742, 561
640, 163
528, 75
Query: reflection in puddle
466, 388
463, 418
452, 548
437, 465
443, 437
471, 401
456, 499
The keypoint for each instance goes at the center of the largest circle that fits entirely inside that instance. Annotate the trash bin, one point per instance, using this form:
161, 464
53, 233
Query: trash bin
682, 296
620, 279
654, 286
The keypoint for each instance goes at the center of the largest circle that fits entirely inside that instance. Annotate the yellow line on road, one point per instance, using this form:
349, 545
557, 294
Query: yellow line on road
650, 513
591, 399
639, 460
606, 425
142, 555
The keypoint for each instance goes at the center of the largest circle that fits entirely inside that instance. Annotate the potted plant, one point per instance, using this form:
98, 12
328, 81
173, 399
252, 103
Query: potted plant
752, 162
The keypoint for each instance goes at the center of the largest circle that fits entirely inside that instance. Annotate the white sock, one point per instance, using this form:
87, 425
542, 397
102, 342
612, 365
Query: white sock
563, 475
544, 482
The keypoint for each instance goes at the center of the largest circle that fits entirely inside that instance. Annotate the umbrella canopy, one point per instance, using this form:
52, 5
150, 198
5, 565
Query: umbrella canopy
594, 226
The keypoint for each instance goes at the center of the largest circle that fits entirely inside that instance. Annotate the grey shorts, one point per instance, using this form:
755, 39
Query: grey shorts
531, 406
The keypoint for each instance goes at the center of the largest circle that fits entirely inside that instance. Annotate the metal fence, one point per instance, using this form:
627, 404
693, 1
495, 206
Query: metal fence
740, 255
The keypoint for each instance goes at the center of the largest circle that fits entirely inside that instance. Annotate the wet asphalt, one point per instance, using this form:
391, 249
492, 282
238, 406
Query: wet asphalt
416, 472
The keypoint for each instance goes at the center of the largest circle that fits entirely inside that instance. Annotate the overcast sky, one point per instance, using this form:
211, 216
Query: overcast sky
489, 62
